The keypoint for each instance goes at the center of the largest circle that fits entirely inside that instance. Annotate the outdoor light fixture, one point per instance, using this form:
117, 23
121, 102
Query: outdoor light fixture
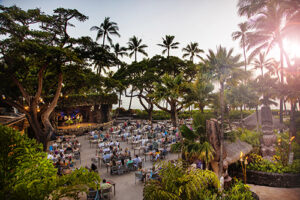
61, 95
244, 164
38, 109
26, 108
3, 97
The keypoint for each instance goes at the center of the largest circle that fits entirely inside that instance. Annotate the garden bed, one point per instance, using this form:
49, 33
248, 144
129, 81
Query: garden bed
286, 180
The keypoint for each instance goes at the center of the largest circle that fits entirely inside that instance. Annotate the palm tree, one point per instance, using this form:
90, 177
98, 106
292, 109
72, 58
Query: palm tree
168, 44
135, 46
119, 51
105, 29
224, 66
207, 153
262, 62
192, 50
272, 19
242, 35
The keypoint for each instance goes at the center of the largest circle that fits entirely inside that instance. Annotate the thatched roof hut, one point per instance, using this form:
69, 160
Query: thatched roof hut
233, 150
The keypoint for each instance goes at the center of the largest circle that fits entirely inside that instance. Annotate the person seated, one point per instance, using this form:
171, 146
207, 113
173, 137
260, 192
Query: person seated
93, 167
104, 185
106, 156
129, 161
155, 144
111, 143
96, 137
156, 155
122, 161
69, 149
50, 156
106, 150
141, 172
117, 143
153, 173
137, 160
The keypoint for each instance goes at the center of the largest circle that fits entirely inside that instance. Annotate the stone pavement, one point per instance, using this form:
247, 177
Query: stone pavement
126, 189
273, 193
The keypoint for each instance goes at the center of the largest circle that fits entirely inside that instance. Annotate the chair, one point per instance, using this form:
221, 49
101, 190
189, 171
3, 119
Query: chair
138, 176
93, 195
105, 193
114, 170
131, 167
77, 156
121, 170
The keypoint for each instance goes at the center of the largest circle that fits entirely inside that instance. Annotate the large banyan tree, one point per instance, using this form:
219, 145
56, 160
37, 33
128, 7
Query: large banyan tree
38, 57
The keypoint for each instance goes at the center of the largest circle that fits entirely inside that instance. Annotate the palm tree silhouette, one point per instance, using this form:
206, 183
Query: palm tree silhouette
168, 44
135, 46
106, 29
192, 50
262, 62
224, 66
242, 34
119, 51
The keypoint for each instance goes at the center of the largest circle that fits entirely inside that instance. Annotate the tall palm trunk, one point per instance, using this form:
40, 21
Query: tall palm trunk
282, 81
221, 129
135, 59
245, 59
257, 120
103, 40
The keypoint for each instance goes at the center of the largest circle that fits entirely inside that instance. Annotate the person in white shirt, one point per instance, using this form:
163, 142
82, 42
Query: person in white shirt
50, 156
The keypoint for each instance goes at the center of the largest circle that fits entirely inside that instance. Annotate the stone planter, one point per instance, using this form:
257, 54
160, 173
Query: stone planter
270, 179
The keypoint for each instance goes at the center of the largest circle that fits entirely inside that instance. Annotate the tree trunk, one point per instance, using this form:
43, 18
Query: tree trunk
257, 119
282, 81
120, 99
174, 116
221, 129
245, 58
129, 107
150, 111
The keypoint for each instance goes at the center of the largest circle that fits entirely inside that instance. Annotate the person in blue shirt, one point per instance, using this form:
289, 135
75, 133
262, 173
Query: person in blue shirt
106, 156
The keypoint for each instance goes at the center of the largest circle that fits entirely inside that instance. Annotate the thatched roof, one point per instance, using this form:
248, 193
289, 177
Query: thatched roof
87, 100
233, 150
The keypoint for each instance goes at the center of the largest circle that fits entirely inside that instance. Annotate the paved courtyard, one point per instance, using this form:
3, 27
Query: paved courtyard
126, 189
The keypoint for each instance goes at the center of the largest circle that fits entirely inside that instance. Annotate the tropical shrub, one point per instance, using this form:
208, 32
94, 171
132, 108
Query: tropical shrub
26, 173
177, 183
239, 191
257, 163
176, 147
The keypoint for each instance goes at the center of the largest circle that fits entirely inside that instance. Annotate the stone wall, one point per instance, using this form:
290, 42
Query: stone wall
269, 179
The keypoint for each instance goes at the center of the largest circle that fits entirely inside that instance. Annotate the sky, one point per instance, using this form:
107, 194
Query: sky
208, 22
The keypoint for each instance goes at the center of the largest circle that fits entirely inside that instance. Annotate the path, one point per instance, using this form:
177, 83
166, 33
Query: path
273, 193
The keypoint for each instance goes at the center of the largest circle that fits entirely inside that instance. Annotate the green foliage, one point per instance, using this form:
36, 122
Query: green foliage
236, 114
239, 191
176, 183
187, 133
26, 173
257, 163
245, 135
176, 147
199, 125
